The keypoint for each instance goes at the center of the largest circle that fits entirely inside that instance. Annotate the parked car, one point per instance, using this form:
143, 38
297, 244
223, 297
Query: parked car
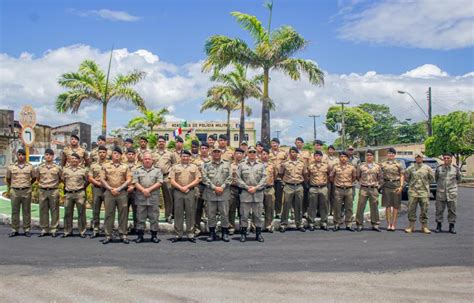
36, 160
406, 162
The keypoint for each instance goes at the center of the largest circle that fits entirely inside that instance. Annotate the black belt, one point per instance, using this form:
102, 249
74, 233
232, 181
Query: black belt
292, 184
73, 191
45, 188
394, 180
20, 188
269, 186
344, 187
235, 187
366, 186
319, 186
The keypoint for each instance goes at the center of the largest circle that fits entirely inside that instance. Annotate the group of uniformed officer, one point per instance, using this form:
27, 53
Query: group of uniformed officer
213, 183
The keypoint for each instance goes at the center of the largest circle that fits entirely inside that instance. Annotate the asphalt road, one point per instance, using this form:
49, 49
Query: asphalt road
311, 266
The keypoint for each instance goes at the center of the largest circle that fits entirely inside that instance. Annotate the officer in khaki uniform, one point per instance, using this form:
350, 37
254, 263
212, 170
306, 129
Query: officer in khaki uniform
48, 177
98, 191
211, 141
72, 148
370, 176
418, 176
184, 177
393, 179
179, 147
234, 203
164, 159
94, 156
318, 172
226, 152
305, 156
20, 176
116, 177
355, 161
269, 193
333, 159
75, 183
343, 175
132, 164
127, 144
277, 157
259, 147
142, 149
200, 202
293, 173
318, 146
217, 177
447, 177
252, 178
147, 180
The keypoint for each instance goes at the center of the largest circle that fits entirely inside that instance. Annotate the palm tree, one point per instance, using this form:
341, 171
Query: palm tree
225, 102
149, 119
90, 84
236, 84
273, 50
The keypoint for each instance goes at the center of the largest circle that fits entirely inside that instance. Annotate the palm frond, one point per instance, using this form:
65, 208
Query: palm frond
295, 67
252, 25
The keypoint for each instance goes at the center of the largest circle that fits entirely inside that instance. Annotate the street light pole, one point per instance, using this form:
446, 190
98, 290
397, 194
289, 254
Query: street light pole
314, 125
428, 116
343, 125
278, 133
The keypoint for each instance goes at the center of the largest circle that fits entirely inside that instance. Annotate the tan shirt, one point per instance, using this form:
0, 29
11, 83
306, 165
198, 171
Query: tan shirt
115, 174
163, 160
227, 154
293, 171
343, 174
271, 173
74, 178
68, 151
49, 175
199, 161
177, 156
185, 174
95, 155
95, 169
392, 170
305, 155
140, 152
369, 174
332, 161
21, 175
318, 173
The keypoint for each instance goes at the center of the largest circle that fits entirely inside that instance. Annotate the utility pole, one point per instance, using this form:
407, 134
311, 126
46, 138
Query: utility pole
314, 124
430, 125
343, 125
278, 133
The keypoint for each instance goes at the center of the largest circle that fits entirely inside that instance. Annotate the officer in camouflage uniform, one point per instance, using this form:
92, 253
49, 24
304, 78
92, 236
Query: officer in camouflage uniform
447, 177
393, 179
418, 176
217, 177
48, 177
318, 172
147, 180
200, 202
333, 159
251, 177
97, 189
277, 157
20, 176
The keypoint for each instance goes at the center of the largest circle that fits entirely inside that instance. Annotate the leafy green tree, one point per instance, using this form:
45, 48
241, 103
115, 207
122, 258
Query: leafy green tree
91, 84
149, 119
273, 50
383, 130
237, 84
452, 133
410, 132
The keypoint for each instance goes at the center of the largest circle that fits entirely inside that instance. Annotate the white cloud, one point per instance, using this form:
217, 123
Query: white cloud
107, 14
420, 24
30, 79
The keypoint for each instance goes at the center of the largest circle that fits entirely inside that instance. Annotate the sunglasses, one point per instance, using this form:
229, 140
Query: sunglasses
252, 152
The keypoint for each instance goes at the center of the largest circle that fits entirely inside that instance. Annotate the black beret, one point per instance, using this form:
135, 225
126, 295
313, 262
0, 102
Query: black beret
205, 144
370, 151
213, 137
299, 139
343, 153
101, 137
117, 149
448, 154
49, 151
102, 147
318, 142
75, 155
186, 152
331, 147
21, 151
161, 137
144, 138
195, 143
239, 150
129, 140
259, 143
265, 149
223, 137
318, 152
75, 136
276, 140
392, 150
179, 139
295, 149
131, 150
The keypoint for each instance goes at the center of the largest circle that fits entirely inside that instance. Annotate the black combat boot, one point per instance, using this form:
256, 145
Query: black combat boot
225, 234
258, 234
451, 228
438, 228
243, 234
212, 234
139, 239
154, 237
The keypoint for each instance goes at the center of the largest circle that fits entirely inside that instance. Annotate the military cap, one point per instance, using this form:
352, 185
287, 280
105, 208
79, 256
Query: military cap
265, 149
259, 143
370, 151
144, 138
252, 149
195, 143
75, 155
276, 140
392, 150
186, 152
244, 143
350, 147
179, 139
239, 150
117, 149
295, 149
299, 139
418, 155
129, 140
343, 153
205, 144
318, 152
223, 137
49, 151
161, 137
331, 147
75, 136
213, 137
131, 150
216, 150
101, 137
21, 151
101, 147
448, 154
319, 142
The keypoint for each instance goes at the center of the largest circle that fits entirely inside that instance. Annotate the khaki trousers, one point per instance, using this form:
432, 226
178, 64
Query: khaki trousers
343, 196
119, 203
293, 197
78, 200
21, 199
318, 201
184, 206
370, 194
269, 206
49, 205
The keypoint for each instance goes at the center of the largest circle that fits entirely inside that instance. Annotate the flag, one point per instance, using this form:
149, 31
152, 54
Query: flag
177, 132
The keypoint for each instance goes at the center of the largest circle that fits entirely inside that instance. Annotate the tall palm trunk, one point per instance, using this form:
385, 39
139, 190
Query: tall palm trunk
265, 130
242, 120
104, 119
228, 128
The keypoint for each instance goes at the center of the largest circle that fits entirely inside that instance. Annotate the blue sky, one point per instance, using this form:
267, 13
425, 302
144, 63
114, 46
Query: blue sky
360, 44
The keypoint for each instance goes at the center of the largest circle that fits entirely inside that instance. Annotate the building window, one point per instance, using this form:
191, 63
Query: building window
236, 137
246, 137
167, 137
